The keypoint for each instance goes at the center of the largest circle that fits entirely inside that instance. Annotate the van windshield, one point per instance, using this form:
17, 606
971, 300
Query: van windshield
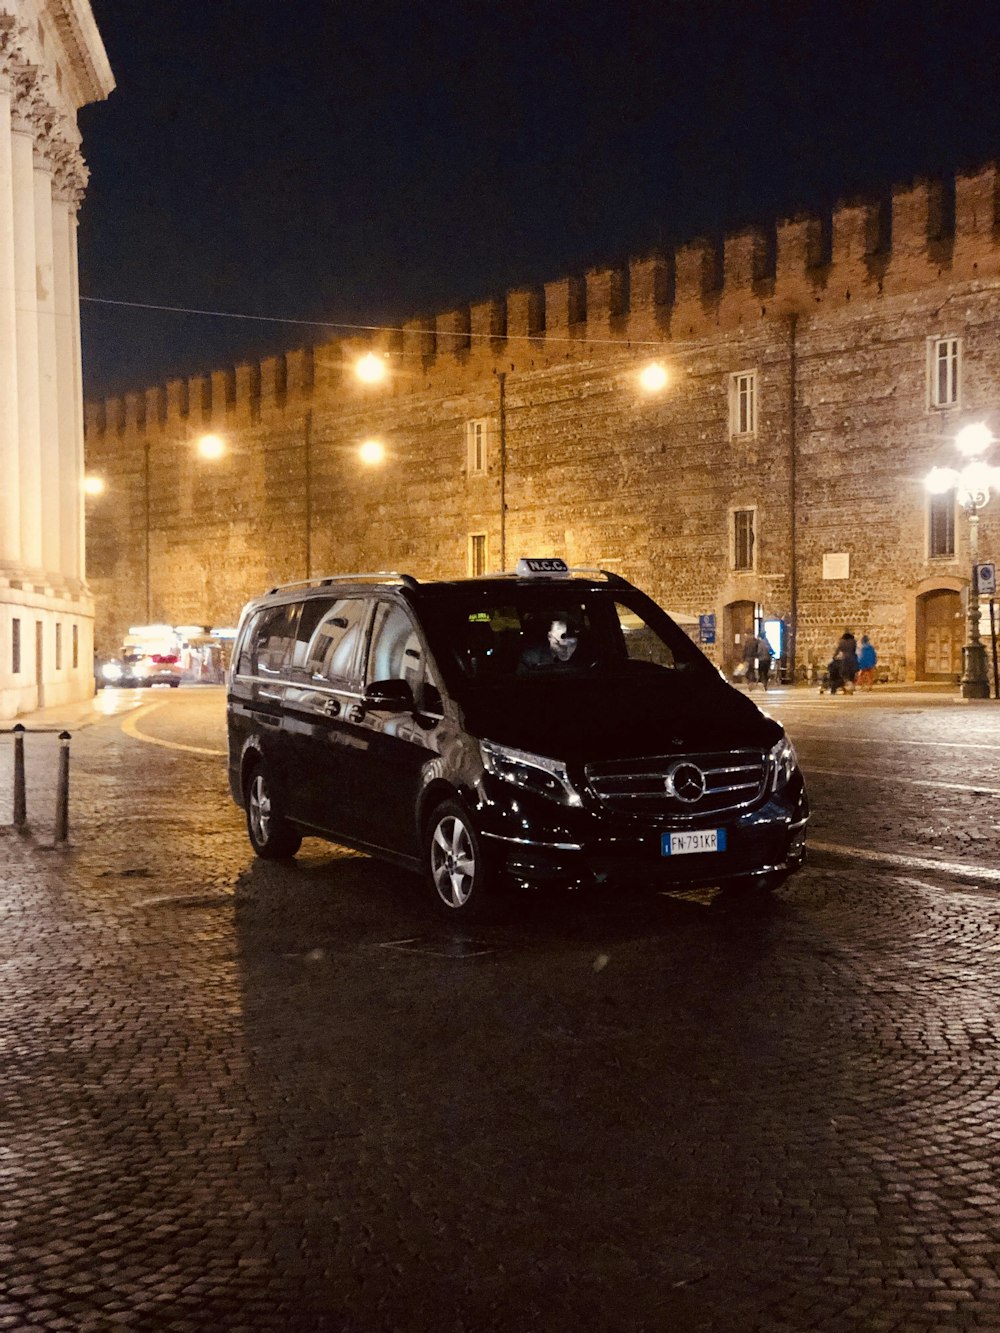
541, 634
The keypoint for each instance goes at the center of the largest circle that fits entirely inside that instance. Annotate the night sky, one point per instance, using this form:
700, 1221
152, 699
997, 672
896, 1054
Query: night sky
367, 162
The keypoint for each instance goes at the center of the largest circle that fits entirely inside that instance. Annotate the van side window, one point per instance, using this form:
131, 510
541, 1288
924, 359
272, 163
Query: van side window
243, 658
273, 638
333, 648
397, 654
313, 612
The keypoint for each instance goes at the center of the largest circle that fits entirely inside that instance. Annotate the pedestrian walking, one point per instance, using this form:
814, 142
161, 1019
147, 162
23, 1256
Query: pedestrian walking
749, 672
847, 651
867, 658
765, 655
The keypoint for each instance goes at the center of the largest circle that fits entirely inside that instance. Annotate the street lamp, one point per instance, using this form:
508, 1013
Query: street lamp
372, 452
211, 447
653, 378
972, 485
371, 369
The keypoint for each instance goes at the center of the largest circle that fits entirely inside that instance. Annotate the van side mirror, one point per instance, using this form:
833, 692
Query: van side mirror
388, 696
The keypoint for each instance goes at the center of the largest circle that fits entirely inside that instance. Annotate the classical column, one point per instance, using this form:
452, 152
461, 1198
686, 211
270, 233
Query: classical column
74, 274
48, 398
10, 486
67, 187
29, 424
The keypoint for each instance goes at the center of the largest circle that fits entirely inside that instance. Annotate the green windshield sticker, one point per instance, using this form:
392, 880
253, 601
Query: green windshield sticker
480, 616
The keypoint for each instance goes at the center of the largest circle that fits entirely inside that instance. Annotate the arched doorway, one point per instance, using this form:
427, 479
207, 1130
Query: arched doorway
940, 635
739, 621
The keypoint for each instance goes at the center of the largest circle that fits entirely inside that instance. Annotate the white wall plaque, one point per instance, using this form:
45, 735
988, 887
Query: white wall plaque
836, 565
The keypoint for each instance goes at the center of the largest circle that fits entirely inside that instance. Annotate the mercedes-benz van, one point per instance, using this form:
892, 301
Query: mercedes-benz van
549, 725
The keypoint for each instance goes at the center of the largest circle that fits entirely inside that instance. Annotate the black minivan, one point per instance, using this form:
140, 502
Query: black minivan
550, 725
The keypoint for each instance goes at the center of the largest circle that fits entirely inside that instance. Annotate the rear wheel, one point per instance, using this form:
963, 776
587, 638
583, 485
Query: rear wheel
456, 862
271, 835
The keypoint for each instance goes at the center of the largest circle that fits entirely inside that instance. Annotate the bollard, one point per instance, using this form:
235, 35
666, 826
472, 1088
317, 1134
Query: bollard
20, 805
62, 794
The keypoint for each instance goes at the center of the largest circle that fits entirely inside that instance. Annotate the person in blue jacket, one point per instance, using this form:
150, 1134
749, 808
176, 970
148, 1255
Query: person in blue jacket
867, 657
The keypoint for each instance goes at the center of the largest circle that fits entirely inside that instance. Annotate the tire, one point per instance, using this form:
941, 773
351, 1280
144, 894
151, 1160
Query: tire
270, 834
173, 684
457, 867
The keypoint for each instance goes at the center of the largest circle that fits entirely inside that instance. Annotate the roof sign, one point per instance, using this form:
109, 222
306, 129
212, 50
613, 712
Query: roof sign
529, 566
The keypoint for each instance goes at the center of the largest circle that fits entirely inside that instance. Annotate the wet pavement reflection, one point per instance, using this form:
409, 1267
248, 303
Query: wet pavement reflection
241, 1094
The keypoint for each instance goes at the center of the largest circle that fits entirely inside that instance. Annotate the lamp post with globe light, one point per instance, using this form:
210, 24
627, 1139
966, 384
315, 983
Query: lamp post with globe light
972, 485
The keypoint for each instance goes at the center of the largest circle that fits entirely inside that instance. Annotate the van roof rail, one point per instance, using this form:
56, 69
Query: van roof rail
608, 574
327, 580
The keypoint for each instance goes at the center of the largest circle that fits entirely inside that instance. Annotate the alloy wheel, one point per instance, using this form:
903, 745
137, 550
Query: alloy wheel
260, 809
453, 861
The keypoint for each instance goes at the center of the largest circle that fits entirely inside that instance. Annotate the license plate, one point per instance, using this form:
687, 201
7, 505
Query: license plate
681, 844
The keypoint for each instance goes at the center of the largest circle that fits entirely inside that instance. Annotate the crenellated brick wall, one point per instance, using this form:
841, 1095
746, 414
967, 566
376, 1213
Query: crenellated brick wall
832, 313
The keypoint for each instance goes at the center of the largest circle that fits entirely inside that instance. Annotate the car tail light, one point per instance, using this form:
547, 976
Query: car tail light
165, 659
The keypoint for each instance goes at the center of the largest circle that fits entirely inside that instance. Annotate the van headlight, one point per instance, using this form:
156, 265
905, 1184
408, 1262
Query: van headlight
532, 772
784, 762
111, 671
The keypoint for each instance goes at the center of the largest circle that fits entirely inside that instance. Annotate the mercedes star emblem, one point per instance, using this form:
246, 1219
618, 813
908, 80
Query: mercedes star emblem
686, 782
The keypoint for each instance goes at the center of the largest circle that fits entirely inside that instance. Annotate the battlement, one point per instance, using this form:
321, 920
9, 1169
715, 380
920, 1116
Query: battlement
922, 232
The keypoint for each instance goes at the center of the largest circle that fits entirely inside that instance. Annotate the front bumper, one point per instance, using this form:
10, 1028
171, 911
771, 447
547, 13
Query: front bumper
539, 842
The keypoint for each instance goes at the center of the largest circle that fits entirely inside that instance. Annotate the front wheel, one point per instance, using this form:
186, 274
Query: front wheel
271, 836
456, 862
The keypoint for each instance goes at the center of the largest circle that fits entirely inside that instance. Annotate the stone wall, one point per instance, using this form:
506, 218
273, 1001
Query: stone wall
833, 314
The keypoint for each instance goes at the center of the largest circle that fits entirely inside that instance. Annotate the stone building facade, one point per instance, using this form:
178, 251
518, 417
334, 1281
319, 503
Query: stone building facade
52, 62
815, 374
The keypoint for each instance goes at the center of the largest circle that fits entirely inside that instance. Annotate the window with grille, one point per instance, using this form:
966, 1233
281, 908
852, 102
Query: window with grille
944, 365
941, 524
58, 647
477, 553
15, 645
475, 433
76, 646
743, 403
744, 538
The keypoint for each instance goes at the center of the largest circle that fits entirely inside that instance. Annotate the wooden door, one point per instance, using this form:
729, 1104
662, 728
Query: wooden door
940, 652
738, 625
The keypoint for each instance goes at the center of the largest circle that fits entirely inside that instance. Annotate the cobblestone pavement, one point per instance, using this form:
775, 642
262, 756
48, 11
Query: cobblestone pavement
242, 1096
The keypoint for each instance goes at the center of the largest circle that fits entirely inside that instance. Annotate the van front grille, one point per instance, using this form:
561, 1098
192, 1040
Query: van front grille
695, 785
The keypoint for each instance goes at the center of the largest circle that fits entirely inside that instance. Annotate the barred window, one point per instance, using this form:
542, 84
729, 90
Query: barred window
477, 553
941, 524
744, 538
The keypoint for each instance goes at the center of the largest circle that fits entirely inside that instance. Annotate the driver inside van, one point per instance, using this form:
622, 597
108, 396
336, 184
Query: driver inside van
558, 650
